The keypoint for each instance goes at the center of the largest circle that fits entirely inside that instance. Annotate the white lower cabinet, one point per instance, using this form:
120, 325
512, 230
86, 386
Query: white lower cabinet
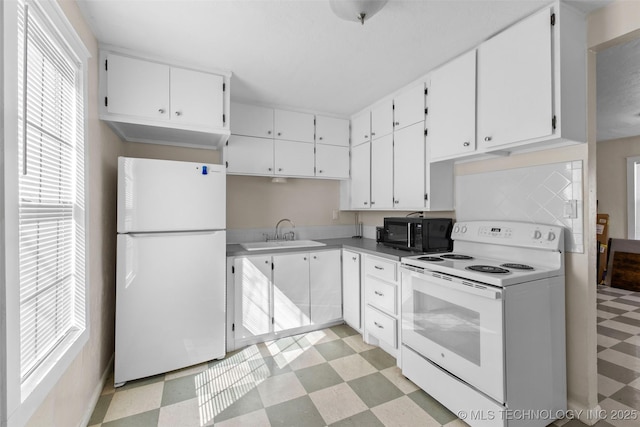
325, 287
351, 295
382, 304
290, 291
275, 294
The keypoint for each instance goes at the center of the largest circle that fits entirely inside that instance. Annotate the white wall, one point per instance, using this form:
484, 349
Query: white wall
612, 181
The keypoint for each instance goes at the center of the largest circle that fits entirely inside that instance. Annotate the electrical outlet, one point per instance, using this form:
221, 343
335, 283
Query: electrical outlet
571, 209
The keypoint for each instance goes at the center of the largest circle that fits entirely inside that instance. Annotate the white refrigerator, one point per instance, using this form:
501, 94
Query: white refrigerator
170, 273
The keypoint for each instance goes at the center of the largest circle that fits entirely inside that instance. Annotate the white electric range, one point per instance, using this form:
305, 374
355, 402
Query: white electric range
483, 326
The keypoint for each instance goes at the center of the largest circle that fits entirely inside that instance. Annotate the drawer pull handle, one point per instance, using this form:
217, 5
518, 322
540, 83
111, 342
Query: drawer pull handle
380, 294
377, 267
378, 325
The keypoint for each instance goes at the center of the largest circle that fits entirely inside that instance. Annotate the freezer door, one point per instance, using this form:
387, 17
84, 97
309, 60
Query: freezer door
170, 302
164, 195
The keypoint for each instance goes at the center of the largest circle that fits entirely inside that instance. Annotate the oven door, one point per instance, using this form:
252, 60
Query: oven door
457, 324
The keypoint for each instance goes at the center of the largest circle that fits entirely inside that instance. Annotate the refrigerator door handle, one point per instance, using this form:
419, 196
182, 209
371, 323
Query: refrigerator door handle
173, 233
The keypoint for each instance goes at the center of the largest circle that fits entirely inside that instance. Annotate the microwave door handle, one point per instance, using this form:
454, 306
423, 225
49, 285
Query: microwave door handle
409, 235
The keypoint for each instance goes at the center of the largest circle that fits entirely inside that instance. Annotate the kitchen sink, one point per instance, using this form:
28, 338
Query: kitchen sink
280, 244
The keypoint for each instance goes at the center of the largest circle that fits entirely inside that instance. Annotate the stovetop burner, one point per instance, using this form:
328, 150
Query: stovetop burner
488, 269
516, 266
456, 256
430, 258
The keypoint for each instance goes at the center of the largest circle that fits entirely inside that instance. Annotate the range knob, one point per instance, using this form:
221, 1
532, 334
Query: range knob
537, 234
456, 229
551, 236
463, 229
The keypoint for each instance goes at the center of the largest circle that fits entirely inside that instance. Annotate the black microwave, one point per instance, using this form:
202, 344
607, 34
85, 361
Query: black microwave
418, 234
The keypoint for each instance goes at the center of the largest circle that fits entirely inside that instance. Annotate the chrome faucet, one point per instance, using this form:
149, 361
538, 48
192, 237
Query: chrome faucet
291, 235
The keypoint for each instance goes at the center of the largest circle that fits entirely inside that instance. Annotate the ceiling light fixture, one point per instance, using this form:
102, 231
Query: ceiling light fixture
356, 10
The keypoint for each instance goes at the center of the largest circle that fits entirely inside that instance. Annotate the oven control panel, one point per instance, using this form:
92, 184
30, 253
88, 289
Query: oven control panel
519, 234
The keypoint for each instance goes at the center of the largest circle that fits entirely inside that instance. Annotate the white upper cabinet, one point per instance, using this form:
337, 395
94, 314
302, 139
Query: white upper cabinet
294, 126
247, 155
290, 135
452, 108
195, 98
382, 119
361, 176
409, 107
514, 83
361, 128
382, 173
409, 167
332, 161
137, 88
332, 131
293, 158
251, 120
149, 101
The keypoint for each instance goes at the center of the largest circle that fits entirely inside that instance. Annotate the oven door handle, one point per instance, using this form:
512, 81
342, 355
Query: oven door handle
455, 283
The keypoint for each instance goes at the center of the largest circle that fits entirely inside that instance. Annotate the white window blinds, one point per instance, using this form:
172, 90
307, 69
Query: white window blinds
51, 193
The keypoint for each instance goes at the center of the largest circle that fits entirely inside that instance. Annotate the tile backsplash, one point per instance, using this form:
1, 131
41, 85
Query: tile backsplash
545, 194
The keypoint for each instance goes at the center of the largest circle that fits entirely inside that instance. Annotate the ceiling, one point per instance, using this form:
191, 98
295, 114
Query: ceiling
297, 53
618, 91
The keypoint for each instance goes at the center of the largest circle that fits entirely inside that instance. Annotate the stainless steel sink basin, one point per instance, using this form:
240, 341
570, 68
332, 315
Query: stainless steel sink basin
280, 244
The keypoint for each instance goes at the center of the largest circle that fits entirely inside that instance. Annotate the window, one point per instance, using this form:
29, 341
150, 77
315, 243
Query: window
51, 194
633, 198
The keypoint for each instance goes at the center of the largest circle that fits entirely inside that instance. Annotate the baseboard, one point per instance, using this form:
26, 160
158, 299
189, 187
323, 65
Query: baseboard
588, 416
97, 392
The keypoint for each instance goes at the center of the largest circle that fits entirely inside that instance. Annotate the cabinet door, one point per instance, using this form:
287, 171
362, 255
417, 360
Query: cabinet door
291, 291
382, 119
409, 107
248, 155
351, 300
332, 161
382, 173
361, 176
408, 167
294, 126
452, 108
325, 287
332, 131
137, 88
361, 128
196, 98
252, 282
515, 83
251, 120
293, 158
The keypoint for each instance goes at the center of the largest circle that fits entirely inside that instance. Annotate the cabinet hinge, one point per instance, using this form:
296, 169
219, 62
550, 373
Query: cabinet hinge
224, 119
226, 165
233, 327
426, 196
233, 270
553, 122
553, 19
224, 87
426, 111
426, 131
106, 101
272, 266
314, 170
106, 65
393, 106
227, 143
426, 91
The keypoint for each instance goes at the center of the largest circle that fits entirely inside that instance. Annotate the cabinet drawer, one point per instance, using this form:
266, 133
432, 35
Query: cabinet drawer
380, 325
381, 295
382, 268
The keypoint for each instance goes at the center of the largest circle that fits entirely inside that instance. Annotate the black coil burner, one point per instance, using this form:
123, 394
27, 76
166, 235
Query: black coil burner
488, 269
430, 258
517, 266
456, 256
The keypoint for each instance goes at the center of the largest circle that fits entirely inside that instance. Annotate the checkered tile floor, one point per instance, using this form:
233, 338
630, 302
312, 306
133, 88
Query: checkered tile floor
331, 377
328, 377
